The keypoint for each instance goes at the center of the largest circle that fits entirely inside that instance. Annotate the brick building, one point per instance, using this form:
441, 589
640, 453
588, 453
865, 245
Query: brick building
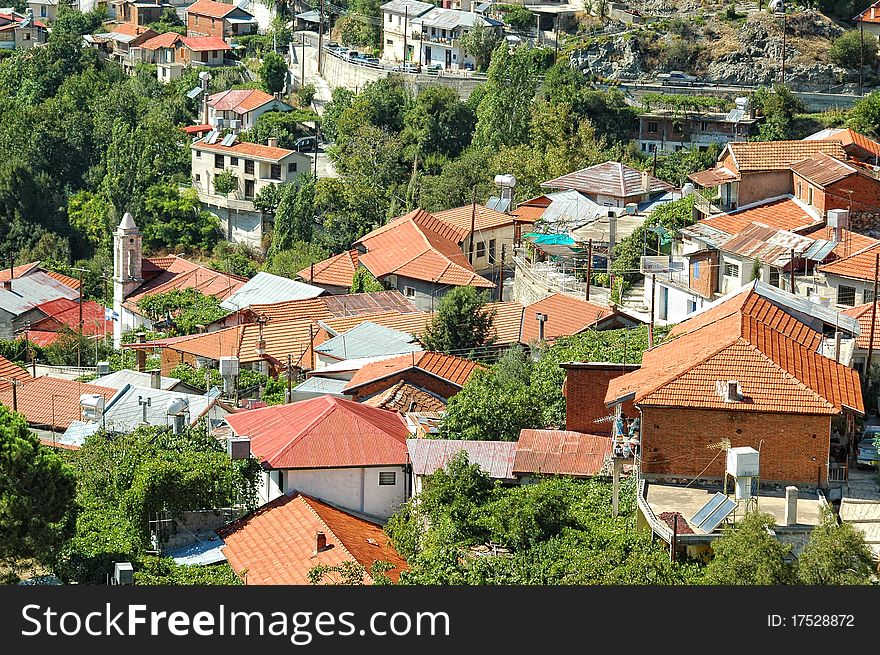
585, 386
744, 372
208, 18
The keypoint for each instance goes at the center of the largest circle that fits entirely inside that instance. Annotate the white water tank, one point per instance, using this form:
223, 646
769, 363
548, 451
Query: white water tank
228, 367
743, 462
177, 406
92, 405
687, 189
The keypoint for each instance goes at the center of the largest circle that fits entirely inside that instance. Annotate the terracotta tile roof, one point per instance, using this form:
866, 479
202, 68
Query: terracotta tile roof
323, 432
197, 129
459, 218
456, 370
870, 15
774, 361
65, 312
530, 213
508, 322
276, 543
858, 266
560, 452
566, 315
42, 338
822, 169
33, 267
712, 177
609, 179
11, 371
405, 397
38, 398
240, 101
245, 149
850, 139
420, 247
862, 313
130, 29
66, 280
205, 43
346, 305
412, 322
166, 40
210, 9
783, 213
18, 271
168, 273
337, 271
494, 457
778, 155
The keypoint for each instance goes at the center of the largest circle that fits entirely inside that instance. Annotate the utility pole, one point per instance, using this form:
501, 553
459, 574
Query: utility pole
651, 324
556, 40
873, 317
589, 267
320, 36
784, 30
405, 28
792, 271
289, 381
501, 274
473, 226
303, 74
861, 59
79, 329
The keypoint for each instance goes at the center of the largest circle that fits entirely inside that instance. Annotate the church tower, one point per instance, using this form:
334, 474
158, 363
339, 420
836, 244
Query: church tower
127, 262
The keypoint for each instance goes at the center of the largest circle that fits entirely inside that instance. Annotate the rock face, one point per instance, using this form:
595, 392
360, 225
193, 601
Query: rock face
618, 58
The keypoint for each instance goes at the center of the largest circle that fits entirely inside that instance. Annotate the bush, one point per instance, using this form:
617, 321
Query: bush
846, 51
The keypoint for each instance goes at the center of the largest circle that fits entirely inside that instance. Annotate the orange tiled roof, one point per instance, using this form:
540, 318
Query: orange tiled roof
870, 15
276, 543
412, 323
166, 40
850, 137
246, 149
345, 305
459, 218
566, 315
405, 397
852, 241
784, 213
65, 312
205, 43
456, 370
11, 371
508, 322
168, 273
862, 313
778, 155
420, 247
25, 269
66, 280
776, 372
560, 452
240, 101
858, 266
49, 401
210, 9
337, 271
130, 29
18, 271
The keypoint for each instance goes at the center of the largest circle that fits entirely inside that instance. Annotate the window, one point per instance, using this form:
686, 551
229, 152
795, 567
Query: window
810, 195
731, 270
26, 36
218, 161
291, 168
869, 296
652, 127
233, 161
275, 172
389, 42
249, 166
491, 250
800, 190
692, 306
409, 292
846, 295
481, 249
198, 154
389, 18
696, 268
387, 478
677, 128
196, 16
774, 277
198, 178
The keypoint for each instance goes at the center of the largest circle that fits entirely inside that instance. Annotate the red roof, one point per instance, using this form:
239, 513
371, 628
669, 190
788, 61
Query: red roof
783, 213
246, 149
197, 129
33, 267
205, 43
560, 452
420, 247
323, 432
211, 9
168, 273
11, 371
870, 15
166, 40
276, 544
240, 101
452, 369
405, 397
862, 313
566, 315
858, 266
459, 218
609, 179
49, 401
42, 338
65, 313
338, 271
749, 340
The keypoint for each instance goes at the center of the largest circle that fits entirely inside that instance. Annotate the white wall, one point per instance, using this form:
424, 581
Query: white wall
356, 489
677, 302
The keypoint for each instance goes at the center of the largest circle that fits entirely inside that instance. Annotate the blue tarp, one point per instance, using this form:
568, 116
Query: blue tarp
550, 239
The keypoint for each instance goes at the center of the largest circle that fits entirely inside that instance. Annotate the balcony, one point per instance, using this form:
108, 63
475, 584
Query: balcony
451, 42
709, 201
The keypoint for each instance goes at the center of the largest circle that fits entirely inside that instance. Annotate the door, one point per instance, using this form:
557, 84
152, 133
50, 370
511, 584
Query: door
427, 55
448, 58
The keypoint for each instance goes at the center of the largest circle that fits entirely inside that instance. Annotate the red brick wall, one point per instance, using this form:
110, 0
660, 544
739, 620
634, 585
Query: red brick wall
171, 358
865, 197
418, 378
204, 25
674, 443
585, 389
707, 283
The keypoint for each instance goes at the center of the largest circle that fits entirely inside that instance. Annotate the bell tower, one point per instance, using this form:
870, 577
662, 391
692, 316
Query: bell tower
127, 262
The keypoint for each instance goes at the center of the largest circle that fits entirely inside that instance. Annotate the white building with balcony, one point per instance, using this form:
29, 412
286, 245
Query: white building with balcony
256, 166
398, 31
440, 31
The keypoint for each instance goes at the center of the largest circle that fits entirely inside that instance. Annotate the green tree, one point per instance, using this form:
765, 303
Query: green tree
169, 21
747, 554
461, 323
340, 100
286, 126
184, 310
163, 571
438, 122
504, 112
305, 95
848, 49
836, 554
174, 216
779, 106
295, 216
480, 42
36, 496
363, 282
273, 73
301, 255
864, 117
517, 16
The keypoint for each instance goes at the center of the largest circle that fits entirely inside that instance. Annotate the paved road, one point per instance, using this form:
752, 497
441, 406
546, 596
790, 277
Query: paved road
322, 89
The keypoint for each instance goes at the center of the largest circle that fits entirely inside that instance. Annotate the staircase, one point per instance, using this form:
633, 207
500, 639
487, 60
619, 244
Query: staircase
634, 298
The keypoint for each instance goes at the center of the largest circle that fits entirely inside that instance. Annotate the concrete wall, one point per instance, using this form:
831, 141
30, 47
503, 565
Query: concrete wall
356, 489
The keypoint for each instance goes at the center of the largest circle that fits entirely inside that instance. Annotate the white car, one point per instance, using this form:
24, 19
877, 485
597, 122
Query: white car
677, 77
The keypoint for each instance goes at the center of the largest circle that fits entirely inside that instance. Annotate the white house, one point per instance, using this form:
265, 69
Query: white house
440, 31
341, 452
398, 31
242, 105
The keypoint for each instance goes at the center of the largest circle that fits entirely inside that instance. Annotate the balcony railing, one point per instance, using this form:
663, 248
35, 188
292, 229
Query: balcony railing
708, 201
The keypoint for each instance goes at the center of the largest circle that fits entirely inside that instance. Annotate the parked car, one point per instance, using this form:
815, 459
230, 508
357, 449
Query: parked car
866, 451
332, 45
342, 51
353, 54
407, 68
305, 144
677, 77
371, 60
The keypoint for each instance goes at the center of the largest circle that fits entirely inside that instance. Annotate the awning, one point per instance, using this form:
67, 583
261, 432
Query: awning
549, 239
310, 16
712, 177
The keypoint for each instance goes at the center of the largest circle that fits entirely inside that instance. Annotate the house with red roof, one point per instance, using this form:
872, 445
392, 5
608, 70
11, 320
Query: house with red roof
21, 31
745, 372
869, 20
256, 167
350, 455
172, 52
139, 12
64, 314
220, 19
282, 541
242, 105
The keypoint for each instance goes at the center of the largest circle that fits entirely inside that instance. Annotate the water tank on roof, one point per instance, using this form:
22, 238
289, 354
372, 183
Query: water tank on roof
92, 405
177, 406
687, 189
103, 369
228, 367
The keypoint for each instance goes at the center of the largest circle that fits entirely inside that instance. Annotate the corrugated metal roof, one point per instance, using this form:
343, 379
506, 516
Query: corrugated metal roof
440, 18
31, 290
561, 452
494, 457
609, 179
413, 7
119, 379
265, 288
320, 385
368, 340
125, 412
200, 553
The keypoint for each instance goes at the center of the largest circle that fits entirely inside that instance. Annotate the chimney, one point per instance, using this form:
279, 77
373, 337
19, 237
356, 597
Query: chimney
320, 542
141, 354
272, 142
7, 284
646, 182
791, 497
156, 379
541, 318
873, 12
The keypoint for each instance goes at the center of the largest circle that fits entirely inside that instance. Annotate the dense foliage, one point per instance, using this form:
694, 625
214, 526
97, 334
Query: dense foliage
182, 311
461, 324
